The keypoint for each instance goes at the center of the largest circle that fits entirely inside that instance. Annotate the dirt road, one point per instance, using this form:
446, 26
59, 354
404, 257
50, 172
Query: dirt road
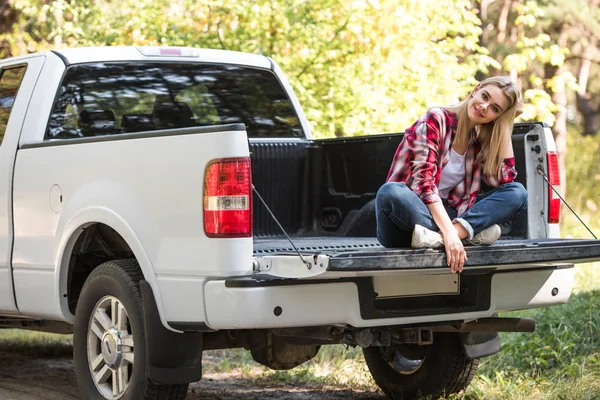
43, 377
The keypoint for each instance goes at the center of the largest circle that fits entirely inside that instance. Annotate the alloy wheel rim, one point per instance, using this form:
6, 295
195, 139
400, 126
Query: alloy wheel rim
110, 347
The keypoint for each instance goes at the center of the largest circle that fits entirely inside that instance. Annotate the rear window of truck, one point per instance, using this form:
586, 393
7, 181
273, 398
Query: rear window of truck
113, 98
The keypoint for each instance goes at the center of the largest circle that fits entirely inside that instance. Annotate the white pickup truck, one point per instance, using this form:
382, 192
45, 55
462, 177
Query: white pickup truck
128, 217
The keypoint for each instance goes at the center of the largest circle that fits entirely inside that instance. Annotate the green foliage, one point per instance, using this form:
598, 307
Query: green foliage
560, 360
39, 344
525, 54
358, 67
583, 185
566, 340
514, 386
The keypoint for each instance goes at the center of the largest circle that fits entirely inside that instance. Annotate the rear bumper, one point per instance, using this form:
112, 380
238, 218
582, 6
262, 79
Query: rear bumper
280, 304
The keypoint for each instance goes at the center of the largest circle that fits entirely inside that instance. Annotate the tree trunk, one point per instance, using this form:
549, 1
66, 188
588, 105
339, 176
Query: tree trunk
559, 130
589, 112
8, 16
559, 97
586, 63
483, 15
503, 20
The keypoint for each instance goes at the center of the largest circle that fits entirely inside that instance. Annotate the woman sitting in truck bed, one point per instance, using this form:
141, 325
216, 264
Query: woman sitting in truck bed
432, 197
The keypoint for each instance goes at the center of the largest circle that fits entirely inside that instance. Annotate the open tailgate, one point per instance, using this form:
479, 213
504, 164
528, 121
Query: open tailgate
340, 257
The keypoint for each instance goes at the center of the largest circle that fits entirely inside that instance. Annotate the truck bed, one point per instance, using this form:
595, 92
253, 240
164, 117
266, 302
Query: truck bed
363, 254
326, 188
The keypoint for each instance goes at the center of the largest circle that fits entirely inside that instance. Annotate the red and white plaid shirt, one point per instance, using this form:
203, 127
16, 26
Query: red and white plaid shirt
425, 151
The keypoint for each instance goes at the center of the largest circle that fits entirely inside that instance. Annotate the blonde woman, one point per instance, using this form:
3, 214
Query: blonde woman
432, 197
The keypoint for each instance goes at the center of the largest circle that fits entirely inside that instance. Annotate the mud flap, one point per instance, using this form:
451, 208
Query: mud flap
172, 358
480, 344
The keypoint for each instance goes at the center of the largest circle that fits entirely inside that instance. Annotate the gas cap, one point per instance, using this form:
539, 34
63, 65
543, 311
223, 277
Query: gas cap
56, 198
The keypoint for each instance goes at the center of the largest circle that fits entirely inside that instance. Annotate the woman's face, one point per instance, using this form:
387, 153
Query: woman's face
487, 104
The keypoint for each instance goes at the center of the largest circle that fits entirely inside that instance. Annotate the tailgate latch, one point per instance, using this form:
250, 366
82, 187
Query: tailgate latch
290, 266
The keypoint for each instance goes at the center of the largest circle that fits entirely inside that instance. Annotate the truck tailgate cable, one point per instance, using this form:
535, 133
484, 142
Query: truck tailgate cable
540, 170
307, 263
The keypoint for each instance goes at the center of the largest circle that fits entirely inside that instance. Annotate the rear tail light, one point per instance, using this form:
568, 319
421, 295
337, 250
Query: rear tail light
228, 198
554, 179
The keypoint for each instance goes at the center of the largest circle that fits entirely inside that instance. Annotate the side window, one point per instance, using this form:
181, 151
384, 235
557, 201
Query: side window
9, 86
112, 98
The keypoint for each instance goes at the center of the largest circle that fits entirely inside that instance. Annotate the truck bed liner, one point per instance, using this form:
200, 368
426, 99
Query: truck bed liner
360, 254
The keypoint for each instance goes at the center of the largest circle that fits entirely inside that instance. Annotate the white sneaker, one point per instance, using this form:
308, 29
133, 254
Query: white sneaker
425, 238
486, 236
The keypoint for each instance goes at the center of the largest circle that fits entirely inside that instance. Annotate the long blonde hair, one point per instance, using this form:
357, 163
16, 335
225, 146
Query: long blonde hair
490, 134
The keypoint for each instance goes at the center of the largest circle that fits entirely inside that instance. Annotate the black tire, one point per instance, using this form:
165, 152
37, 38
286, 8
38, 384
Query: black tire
119, 280
444, 368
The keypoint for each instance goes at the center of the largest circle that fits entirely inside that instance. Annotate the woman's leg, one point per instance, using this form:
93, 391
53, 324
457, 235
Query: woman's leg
494, 207
398, 210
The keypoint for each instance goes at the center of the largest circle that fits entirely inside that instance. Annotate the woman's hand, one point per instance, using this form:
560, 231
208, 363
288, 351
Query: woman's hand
455, 252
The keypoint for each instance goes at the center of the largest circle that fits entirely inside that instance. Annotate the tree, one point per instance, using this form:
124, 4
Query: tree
358, 67
574, 25
588, 104
533, 49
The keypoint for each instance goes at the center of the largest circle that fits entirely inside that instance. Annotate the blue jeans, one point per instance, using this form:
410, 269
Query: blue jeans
398, 210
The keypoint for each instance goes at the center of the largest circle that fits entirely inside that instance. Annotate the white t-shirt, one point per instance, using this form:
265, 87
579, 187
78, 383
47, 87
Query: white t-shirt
452, 174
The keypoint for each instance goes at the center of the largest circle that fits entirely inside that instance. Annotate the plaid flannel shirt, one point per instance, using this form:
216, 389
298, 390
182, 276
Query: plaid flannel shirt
425, 151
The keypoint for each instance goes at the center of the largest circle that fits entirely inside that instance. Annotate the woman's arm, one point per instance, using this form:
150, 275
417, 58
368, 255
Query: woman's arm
455, 251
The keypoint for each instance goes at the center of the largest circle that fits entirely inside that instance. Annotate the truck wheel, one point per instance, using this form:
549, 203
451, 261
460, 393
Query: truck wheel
108, 338
407, 371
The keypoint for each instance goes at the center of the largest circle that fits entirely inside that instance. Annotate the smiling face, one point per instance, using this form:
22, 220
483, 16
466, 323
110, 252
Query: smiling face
487, 104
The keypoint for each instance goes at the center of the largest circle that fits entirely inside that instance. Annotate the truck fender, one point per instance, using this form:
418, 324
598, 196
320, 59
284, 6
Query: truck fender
70, 233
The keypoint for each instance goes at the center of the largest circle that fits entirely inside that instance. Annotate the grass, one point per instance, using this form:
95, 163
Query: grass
561, 360
583, 186
587, 278
333, 366
39, 344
